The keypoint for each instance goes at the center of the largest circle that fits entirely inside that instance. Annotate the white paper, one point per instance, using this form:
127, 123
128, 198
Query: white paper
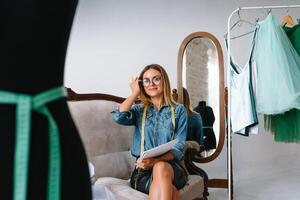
159, 150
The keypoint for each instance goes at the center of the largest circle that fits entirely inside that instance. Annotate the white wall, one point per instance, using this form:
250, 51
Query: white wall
113, 40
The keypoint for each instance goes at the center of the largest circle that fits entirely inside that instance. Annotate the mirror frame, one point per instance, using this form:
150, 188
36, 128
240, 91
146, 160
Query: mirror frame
221, 88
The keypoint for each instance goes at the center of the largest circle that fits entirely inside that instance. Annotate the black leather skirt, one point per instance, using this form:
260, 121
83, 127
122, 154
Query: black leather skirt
142, 179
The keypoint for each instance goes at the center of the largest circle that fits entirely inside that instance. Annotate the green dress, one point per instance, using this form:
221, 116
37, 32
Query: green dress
286, 127
294, 36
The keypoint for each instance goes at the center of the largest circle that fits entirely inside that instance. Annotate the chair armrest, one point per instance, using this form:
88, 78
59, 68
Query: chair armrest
191, 151
191, 144
195, 145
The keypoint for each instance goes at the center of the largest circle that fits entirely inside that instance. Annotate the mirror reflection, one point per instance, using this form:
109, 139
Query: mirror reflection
200, 77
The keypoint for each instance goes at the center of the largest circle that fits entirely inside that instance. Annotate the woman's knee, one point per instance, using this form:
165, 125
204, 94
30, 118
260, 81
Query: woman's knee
163, 170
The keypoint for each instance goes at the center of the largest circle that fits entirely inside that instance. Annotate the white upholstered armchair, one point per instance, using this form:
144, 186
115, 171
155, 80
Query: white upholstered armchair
107, 145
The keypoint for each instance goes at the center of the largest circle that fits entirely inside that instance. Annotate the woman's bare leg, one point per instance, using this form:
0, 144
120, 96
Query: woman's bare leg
162, 187
175, 194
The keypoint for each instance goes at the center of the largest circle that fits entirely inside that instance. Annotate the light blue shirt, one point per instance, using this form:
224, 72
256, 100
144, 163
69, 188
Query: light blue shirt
158, 127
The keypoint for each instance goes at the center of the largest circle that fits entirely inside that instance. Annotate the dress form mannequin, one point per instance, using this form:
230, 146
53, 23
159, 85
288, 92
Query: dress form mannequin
208, 120
34, 37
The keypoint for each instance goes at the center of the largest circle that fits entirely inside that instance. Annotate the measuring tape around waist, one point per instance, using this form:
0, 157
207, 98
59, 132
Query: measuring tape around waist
24, 106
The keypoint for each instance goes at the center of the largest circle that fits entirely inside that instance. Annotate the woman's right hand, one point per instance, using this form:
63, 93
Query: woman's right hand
134, 85
135, 90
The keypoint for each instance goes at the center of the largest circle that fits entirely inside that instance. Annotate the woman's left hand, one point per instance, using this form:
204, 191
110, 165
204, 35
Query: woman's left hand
145, 163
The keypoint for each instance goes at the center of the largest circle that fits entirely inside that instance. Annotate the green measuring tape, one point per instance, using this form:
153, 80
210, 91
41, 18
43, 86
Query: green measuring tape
24, 106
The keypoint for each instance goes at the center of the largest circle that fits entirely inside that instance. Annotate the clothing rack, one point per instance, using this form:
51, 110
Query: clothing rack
229, 132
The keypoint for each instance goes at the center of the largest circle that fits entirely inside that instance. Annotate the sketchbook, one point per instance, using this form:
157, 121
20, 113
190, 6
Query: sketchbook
159, 150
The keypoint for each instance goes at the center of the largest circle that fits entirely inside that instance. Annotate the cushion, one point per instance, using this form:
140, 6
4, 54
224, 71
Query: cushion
119, 165
99, 133
193, 189
123, 191
101, 192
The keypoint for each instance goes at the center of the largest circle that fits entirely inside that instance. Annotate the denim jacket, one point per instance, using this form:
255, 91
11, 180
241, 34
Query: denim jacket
195, 128
158, 127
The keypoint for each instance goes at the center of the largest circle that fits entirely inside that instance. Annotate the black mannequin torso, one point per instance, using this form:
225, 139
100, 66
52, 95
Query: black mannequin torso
34, 37
208, 119
206, 113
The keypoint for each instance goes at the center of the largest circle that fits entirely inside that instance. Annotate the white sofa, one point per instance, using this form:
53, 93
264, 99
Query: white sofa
107, 145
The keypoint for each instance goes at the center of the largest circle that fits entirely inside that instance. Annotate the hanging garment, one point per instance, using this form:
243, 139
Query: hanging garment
208, 119
243, 112
294, 36
278, 70
286, 127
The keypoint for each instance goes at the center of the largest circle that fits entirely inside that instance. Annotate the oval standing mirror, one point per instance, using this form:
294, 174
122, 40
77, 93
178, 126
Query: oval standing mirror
201, 71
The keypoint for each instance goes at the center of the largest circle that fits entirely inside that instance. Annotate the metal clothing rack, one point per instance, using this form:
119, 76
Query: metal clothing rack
229, 139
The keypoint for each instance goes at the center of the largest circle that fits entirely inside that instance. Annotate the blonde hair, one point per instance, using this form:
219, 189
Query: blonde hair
145, 99
187, 102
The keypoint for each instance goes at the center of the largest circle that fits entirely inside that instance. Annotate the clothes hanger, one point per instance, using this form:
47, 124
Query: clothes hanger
287, 20
268, 11
239, 23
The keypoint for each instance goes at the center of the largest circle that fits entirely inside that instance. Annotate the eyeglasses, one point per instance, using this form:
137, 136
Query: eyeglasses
155, 81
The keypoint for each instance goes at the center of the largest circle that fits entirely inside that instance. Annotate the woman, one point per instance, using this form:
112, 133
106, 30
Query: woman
195, 125
158, 120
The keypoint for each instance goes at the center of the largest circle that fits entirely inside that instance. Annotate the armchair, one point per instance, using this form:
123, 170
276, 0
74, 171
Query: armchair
107, 145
